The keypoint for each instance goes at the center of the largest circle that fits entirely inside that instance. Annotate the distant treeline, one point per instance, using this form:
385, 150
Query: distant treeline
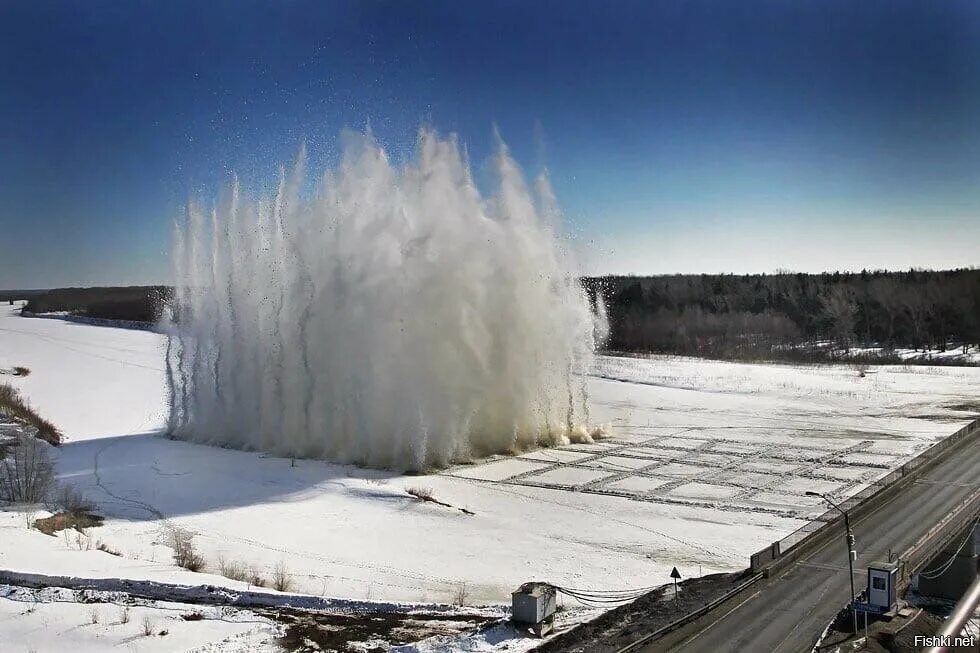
791, 315
134, 303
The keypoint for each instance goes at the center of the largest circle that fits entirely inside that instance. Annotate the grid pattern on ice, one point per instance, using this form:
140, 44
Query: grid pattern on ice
730, 474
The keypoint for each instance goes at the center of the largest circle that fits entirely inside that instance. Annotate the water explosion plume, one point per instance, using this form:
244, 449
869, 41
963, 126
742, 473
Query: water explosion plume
394, 318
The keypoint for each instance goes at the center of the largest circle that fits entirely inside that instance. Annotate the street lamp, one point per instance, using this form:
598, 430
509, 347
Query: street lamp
850, 551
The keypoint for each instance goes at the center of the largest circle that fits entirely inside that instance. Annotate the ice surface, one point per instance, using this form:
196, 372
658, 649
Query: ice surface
355, 533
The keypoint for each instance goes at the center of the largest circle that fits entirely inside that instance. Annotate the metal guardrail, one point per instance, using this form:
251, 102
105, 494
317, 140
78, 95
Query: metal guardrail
911, 560
776, 550
691, 616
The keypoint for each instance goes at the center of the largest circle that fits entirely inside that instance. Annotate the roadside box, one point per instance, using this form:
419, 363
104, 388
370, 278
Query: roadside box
534, 604
882, 579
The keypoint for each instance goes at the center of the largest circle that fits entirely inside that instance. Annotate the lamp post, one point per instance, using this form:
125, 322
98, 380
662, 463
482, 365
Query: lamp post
850, 551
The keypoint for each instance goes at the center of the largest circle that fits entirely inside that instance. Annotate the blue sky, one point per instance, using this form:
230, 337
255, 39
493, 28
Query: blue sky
680, 136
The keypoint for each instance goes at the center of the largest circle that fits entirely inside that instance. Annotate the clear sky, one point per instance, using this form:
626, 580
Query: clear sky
681, 136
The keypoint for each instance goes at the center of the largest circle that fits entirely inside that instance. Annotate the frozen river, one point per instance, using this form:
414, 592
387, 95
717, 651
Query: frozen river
705, 463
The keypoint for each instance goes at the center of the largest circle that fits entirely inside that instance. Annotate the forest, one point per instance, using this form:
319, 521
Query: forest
130, 303
793, 316
784, 316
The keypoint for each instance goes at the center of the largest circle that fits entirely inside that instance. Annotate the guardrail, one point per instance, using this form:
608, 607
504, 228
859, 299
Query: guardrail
938, 537
691, 616
881, 489
786, 549
916, 556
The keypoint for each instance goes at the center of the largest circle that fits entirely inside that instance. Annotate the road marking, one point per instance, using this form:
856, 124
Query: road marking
806, 614
717, 621
818, 565
926, 481
802, 563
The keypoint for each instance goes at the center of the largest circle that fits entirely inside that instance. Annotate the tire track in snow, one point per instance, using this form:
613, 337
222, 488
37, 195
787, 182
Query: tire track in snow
134, 502
59, 342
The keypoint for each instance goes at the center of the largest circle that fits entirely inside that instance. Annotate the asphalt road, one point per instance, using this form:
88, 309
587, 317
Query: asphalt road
787, 613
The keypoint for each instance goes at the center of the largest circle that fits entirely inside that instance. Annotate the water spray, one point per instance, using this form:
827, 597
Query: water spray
396, 317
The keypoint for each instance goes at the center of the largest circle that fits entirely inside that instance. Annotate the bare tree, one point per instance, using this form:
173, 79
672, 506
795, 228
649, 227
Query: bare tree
27, 473
916, 306
185, 554
838, 306
940, 297
887, 293
865, 298
281, 578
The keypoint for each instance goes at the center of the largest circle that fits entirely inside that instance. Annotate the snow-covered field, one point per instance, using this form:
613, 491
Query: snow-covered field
55, 619
955, 353
958, 354
706, 463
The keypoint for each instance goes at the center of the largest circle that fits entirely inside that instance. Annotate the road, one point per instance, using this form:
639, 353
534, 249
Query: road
787, 613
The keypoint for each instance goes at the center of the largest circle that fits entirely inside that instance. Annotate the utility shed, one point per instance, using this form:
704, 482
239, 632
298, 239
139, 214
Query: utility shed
534, 604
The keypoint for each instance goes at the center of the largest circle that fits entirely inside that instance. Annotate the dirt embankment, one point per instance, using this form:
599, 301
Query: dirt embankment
623, 625
14, 406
